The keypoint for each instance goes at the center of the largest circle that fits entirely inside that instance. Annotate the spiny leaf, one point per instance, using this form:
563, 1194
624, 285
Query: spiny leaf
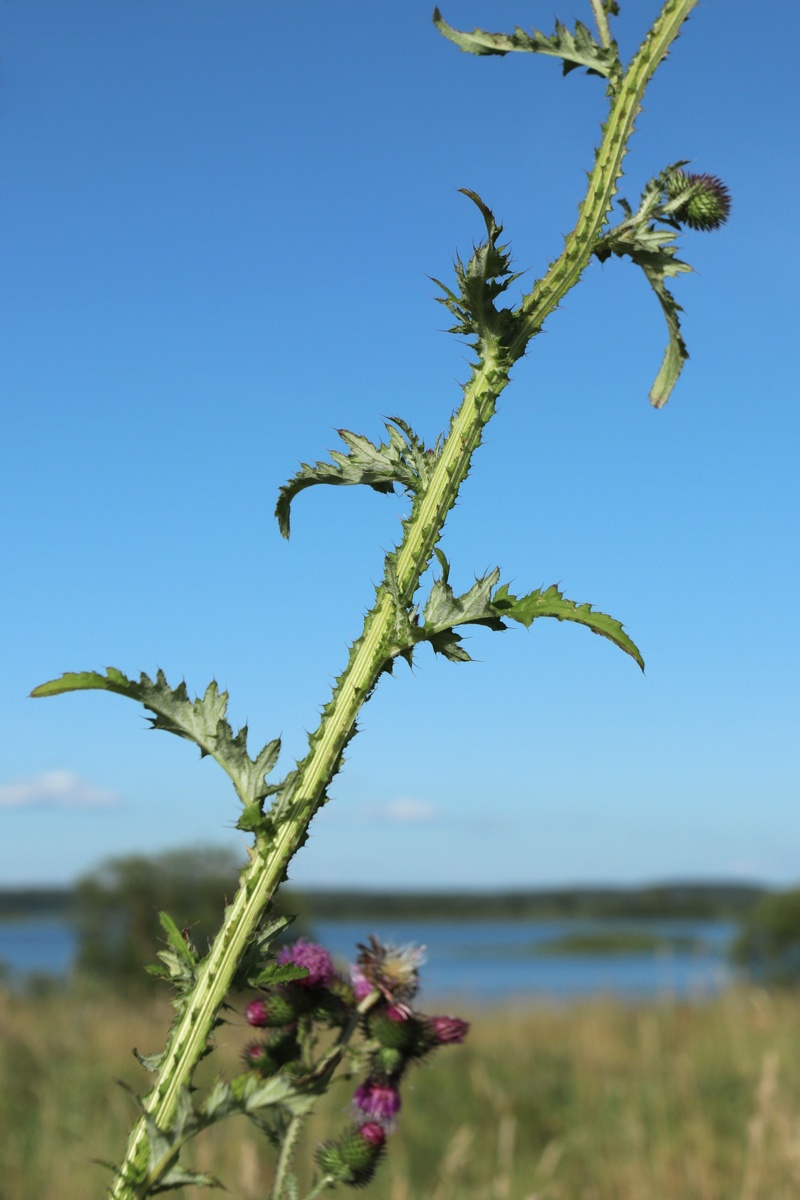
159, 1144
676, 353
278, 974
445, 610
652, 248
150, 1062
220, 1102
578, 49
403, 459
480, 282
488, 605
199, 721
258, 956
259, 1094
179, 944
180, 1177
551, 603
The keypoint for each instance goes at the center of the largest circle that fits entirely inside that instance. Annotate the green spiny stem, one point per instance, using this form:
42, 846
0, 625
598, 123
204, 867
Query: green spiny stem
288, 1147
423, 529
601, 20
327, 1181
565, 272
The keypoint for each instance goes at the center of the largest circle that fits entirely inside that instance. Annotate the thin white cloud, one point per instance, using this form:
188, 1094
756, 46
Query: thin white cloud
407, 810
61, 789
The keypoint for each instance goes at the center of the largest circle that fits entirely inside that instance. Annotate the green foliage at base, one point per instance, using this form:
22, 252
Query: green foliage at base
768, 945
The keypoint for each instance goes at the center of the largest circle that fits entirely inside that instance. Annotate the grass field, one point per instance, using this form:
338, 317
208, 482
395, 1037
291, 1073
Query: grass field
594, 1101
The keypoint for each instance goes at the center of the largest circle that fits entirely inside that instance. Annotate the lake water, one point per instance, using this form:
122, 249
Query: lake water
484, 961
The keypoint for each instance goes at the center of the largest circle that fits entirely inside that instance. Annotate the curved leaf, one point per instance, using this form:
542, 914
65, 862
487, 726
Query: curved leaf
403, 459
201, 721
551, 603
578, 49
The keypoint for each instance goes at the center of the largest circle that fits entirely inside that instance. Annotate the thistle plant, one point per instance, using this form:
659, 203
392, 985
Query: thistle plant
369, 1018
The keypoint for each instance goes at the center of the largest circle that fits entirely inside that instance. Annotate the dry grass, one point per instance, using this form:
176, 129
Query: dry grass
597, 1101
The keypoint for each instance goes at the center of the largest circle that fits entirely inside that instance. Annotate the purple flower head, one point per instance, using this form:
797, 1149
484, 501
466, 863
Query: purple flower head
448, 1030
256, 1013
391, 970
378, 1101
314, 958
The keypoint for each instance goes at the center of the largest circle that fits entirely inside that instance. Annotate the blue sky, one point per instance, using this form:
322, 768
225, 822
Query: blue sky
218, 223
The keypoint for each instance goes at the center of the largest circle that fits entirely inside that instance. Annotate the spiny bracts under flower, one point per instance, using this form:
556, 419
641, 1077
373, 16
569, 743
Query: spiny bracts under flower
353, 1158
707, 202
281, 1006
275, 1052
395, 1028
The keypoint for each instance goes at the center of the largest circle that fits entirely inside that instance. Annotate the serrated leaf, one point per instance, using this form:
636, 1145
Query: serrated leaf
265, 1093
652, 248
220, 1102
444, 609
551, 603
277, 973
486, 275
400, 460
578, 49
488, 605
201, 721
676, 353
182, 948
448, 644
180, 1177
159, 1144
258, 953
150, 1062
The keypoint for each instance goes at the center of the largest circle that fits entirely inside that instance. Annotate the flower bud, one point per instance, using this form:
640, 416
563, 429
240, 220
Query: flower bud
259, 1057
437, 1031
269, 1056
353, 1159
448, 1030
706, 203
392, 1027
276, 1008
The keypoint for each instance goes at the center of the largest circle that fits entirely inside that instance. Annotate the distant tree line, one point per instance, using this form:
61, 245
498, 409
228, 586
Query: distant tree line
701, 900
768, 945
116, 910
213, 869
